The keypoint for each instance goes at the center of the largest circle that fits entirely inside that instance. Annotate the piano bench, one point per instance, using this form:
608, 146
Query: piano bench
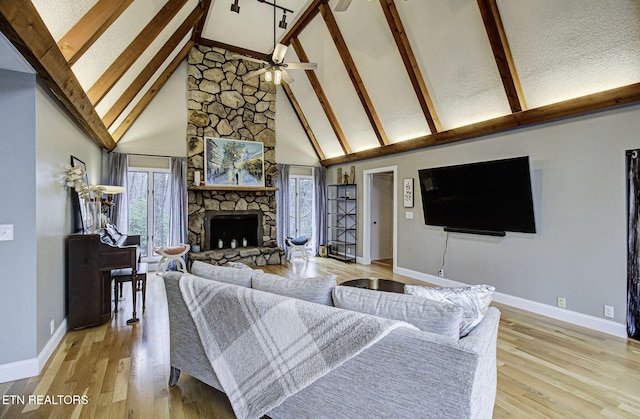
138, 283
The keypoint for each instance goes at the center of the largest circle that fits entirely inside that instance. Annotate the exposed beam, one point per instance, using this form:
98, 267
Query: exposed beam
411, 64
578, 106
22, 25
152, 92
132, 52
89, 28
205, 5
502, 53
302, 23
151, 67
354, 74
233, 48
322, 98
303, 120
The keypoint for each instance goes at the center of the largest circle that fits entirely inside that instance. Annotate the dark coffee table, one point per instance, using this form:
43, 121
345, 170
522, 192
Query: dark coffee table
383, 285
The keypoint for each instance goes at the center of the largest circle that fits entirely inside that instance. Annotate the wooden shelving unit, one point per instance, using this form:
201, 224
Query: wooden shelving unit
342, 221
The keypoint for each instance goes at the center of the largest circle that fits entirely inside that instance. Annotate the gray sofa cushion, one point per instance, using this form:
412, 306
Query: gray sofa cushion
427, 315
235, 276
317, 290
474, 300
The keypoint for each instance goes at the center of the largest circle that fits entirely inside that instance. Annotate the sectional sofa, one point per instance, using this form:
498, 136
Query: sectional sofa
422, 371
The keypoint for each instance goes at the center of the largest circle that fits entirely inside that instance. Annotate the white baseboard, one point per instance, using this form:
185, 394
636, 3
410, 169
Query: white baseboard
562, 314
32, 367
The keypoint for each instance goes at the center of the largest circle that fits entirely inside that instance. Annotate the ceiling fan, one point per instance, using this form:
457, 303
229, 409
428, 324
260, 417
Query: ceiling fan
276, 68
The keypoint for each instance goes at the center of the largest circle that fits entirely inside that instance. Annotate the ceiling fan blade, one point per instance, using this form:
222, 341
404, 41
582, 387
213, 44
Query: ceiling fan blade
279, 53
286, 77
342, 5
244, 57
302, 66
255, 73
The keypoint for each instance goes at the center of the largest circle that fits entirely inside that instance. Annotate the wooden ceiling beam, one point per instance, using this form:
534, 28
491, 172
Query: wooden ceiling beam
306, 17
89, 28
322, 98
132, 52
586, 104
23, 26
205, 5
151, 67
238, 50
303, 121
354, 74
411, 65
502, 54
152, 92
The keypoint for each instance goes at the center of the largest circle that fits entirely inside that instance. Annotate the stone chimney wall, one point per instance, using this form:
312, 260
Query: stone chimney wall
221, 105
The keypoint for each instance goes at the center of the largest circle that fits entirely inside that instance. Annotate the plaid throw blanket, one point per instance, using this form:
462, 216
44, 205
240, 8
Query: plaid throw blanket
264, 347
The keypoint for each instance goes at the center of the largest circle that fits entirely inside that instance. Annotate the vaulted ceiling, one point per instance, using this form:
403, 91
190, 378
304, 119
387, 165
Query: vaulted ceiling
392, 75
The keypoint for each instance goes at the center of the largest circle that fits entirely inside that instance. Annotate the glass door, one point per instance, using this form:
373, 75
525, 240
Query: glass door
148, 197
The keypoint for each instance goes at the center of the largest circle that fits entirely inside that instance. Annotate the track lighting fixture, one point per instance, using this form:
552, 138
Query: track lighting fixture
283, 22
235, 7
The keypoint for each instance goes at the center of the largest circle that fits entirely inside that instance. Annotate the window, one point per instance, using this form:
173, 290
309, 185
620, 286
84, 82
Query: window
148, 198
301, 206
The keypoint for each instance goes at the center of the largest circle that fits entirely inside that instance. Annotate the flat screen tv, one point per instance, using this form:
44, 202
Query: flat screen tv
489, 197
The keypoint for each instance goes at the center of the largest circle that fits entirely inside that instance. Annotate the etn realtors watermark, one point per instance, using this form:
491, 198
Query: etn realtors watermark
44, 399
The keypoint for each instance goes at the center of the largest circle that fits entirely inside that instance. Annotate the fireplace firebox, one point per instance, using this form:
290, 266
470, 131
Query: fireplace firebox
223, 227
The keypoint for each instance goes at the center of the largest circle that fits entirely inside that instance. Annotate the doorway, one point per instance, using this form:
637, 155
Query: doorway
379, 232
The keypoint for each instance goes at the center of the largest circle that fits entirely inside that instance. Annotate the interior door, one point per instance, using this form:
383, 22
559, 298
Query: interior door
382, 216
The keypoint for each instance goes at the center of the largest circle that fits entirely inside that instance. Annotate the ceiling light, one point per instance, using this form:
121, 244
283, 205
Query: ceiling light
283, 22
235, 7
268, 76
277, 76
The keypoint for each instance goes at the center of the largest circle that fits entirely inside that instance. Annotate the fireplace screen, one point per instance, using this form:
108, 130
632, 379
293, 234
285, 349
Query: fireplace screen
228, 229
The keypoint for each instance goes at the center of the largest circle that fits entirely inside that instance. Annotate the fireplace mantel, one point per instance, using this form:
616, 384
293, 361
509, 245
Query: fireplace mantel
233, 188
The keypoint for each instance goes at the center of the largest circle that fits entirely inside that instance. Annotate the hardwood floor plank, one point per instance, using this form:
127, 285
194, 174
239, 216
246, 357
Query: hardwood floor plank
546, 368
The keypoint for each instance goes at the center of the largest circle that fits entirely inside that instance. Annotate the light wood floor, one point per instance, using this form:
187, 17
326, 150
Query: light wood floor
545, 368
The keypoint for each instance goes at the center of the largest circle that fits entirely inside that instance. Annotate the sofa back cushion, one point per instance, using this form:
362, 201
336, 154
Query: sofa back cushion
316, 290
426, 315
235, 276
474, 301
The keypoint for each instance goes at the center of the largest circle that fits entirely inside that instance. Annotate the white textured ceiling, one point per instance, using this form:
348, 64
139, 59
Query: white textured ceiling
561, 50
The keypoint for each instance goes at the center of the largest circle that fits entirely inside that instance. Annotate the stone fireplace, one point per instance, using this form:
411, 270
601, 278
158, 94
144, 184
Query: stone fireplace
222, 228
222, 105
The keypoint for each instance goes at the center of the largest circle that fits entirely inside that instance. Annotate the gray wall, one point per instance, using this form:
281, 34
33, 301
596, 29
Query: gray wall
57, 138
36, 141
17, 207
578, 175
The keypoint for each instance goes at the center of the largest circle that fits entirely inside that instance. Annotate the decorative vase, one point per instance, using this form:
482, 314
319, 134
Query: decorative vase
92, 219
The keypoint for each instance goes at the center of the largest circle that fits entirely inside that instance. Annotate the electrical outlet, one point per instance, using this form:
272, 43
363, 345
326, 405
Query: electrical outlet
562, 302
441, 272
53, 326
608, 311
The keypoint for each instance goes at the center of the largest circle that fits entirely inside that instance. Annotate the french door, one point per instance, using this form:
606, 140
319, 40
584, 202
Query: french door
148, 197
301, 206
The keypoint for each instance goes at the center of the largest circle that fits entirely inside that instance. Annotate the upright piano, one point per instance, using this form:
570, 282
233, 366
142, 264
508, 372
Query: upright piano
90, 259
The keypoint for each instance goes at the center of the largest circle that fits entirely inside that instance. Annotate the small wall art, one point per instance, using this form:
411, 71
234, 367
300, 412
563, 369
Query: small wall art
407, 193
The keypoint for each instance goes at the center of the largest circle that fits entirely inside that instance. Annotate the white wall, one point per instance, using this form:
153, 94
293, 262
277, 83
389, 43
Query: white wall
161, 129
292, 143
578, 175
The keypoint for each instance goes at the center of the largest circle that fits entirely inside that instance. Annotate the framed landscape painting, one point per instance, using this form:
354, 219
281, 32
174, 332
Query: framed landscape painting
233, 162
